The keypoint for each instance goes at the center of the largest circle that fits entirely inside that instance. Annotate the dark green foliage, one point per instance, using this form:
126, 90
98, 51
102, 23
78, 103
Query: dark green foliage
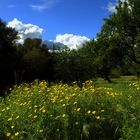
7, 55
34, 61
74, 65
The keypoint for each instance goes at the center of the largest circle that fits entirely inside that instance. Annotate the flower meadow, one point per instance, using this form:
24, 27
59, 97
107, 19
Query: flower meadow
38, 111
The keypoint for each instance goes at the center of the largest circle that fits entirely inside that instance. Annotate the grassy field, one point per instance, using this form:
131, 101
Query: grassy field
97, 111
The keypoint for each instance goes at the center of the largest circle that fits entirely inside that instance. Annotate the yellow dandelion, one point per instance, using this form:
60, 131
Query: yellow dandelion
8, 134
102, 110
7, 108
63, 105
75, 103
98, 117
63, 115
93, 112
9, 119
12, 126
40, 130
78, 109
16, 134
43, 110
35, 116
89, 112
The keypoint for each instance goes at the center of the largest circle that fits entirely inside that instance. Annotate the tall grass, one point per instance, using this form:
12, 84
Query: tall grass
62, 112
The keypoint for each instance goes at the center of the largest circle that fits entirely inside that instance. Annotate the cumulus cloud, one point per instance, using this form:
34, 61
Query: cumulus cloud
33, 31
25, 30
44, 5
72, 41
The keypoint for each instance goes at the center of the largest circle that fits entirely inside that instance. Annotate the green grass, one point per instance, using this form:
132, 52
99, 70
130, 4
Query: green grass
97, 111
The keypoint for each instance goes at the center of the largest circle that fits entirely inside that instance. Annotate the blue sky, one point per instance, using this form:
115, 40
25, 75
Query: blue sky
77, 17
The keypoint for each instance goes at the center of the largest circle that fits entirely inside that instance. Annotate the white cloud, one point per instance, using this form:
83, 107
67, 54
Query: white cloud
26, 30
34, 31
44, 5
72, 41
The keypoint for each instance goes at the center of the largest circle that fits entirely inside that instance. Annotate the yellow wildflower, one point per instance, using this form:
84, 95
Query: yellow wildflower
78, 109
8, 134
75, 103
9, 119
63, 105
43, 110
93, 112
102, 110
12, 126
17, 133
98, 117
89, 112
35, 116
40, 130
63, 115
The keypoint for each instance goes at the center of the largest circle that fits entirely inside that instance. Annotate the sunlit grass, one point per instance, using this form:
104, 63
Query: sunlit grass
62, 112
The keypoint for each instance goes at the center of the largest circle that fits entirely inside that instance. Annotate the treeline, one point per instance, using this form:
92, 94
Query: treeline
114, 52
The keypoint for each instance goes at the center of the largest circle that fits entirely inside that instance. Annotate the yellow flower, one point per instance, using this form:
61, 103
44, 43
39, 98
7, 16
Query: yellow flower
98, 117
12, 126
63, 105
89, 112
35, 106
102, 110
35, 116
63, 115
75, 103
43, 110
40, 130
8, 134
93, 112
17, 133
9, 119
7, 108
78, 109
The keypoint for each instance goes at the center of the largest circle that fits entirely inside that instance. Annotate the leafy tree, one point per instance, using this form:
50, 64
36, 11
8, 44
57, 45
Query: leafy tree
34, 61
8, 37
119, 39
73, 65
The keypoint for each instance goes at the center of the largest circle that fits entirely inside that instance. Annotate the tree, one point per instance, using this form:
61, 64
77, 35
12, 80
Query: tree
8, 38
126, 24
34, 61
119, 39
73, 65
